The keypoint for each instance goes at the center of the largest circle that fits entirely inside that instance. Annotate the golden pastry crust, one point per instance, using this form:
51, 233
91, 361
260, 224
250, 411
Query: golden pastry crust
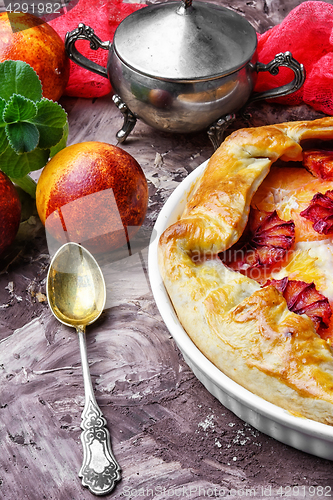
247, 331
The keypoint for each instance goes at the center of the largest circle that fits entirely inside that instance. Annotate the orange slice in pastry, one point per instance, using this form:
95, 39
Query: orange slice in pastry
289, 191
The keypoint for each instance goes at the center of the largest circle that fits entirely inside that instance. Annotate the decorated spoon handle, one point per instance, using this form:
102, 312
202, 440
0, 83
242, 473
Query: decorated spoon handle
100, 470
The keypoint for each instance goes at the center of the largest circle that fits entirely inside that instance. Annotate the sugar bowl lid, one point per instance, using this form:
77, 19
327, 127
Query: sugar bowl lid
185, 40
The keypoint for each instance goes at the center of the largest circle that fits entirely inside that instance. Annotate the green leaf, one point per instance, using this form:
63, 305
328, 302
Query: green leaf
2, 107
18, 77
19, 108
17, 166
50, 121
30, 125
27, 184
3, 136
4, 143
63, 142
23, 136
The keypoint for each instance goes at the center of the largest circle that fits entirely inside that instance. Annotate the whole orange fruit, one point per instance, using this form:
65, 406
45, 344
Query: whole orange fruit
24, 37
92, 193
10, 212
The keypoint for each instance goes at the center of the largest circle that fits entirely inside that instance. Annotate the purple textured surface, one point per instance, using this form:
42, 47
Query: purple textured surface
171, 437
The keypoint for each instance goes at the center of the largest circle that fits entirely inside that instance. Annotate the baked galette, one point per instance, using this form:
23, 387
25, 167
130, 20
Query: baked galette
249, 265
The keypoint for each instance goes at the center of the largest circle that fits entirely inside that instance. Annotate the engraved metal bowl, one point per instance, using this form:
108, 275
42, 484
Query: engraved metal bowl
182, 66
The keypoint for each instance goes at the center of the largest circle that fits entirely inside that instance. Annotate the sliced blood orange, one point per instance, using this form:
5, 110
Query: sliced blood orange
289, 191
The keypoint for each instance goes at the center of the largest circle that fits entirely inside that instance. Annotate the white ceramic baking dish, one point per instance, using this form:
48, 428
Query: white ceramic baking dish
301, 433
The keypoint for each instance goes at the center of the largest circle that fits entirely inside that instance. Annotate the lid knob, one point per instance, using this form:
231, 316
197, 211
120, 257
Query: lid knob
184, 5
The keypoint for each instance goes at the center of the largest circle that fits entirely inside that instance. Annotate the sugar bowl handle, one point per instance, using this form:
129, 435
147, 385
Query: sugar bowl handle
283, 59
83, 32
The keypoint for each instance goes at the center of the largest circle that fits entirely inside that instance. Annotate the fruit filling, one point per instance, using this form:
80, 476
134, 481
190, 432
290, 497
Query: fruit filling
319, 163
303, 298
320, 212
288, 239
268, 240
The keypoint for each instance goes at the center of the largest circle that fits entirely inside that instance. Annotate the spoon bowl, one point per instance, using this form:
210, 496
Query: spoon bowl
76, 287
76, 295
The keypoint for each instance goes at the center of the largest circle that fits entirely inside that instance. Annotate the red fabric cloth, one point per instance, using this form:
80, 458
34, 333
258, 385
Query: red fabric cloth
103, 16
307, 32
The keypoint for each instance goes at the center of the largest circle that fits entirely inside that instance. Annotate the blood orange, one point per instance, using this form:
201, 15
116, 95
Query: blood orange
24, 37
92, 193
10, 212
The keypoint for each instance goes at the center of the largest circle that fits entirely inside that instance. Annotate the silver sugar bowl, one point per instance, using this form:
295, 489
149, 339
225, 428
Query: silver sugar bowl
183, 67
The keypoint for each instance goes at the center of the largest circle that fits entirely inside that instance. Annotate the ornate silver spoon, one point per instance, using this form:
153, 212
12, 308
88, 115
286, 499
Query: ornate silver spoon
76, 295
